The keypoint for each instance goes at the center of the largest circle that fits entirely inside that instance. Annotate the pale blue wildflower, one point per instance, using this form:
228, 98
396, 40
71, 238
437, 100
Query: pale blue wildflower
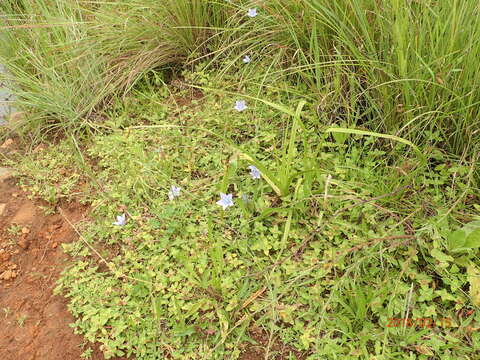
174, 192
246, 59
252, 12
240, 105
245, 198
254, 172
121, 220
225, 200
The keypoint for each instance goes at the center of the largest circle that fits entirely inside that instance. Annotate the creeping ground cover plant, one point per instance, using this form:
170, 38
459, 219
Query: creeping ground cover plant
272, 179
204, 265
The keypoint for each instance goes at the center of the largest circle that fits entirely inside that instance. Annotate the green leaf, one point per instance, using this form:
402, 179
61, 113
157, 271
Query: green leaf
473, 239
466, 238
462, 261
440, 256
445, 295
183, 330
471, 226
375, 134
340, 138
456, 240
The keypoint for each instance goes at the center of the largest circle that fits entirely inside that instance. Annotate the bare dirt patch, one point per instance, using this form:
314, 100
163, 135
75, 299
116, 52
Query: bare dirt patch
34, 324
268, 348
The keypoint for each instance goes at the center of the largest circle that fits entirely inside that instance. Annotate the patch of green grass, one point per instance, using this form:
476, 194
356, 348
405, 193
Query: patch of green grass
55, 82
67, 59
403, 68
52, 177
399, 67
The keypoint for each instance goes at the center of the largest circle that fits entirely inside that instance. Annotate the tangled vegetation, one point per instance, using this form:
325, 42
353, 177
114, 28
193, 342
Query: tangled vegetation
307, 170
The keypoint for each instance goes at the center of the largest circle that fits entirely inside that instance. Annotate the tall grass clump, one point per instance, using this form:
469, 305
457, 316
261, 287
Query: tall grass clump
137, 36
68, 57
56, 83
402, 67
406, 68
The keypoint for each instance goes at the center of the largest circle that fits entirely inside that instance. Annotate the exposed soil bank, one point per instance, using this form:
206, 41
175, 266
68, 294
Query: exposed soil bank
34, 324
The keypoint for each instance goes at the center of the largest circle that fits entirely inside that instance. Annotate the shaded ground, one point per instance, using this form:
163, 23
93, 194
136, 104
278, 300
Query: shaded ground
34, 322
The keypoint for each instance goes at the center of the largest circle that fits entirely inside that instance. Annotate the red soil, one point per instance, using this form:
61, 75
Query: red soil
34, 324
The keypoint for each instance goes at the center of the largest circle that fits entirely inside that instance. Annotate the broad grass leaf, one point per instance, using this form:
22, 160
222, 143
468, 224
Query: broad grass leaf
375, 134
182, 330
